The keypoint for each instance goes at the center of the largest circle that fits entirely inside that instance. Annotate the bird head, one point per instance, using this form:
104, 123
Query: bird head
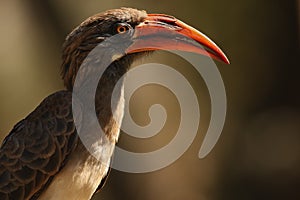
143, 32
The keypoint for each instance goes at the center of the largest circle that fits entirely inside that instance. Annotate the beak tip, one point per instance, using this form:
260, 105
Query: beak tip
226, 60
221, 55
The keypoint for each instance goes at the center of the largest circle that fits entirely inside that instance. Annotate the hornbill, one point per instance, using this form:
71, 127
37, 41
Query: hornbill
43, 157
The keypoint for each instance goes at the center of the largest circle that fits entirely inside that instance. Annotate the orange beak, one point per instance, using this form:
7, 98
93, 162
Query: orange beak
159, 31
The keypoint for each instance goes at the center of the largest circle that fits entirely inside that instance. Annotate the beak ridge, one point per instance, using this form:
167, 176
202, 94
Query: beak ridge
159, 31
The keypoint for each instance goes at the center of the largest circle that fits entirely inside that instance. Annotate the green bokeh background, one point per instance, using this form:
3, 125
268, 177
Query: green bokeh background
258, 154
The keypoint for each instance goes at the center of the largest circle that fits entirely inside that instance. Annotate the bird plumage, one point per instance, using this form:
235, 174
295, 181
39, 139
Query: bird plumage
44, 156
40, 148
37, 148
89, 34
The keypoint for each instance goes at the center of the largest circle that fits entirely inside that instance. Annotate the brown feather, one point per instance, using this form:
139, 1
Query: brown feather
37, 148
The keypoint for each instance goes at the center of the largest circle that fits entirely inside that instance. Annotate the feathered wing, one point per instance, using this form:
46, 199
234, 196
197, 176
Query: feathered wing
37, 148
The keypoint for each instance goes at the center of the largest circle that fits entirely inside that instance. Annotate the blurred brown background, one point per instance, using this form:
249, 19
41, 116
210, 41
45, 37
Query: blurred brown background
258, 154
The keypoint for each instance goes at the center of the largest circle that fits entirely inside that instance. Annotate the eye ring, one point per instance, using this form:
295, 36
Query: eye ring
122, 28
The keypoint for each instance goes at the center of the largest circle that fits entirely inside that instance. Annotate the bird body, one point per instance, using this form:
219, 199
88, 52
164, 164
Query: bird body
80, 178
84, 171
37, 148
43, 157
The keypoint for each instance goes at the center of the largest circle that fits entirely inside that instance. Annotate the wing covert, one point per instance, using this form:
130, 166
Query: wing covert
37, 148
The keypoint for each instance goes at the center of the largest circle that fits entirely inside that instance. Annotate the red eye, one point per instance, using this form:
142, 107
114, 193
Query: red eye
122, 28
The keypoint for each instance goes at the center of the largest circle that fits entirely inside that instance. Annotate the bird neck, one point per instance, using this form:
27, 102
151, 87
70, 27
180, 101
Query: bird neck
109, 100
109, 97
78, 71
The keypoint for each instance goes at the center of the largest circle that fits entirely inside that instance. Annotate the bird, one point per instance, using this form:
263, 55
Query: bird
43, 156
